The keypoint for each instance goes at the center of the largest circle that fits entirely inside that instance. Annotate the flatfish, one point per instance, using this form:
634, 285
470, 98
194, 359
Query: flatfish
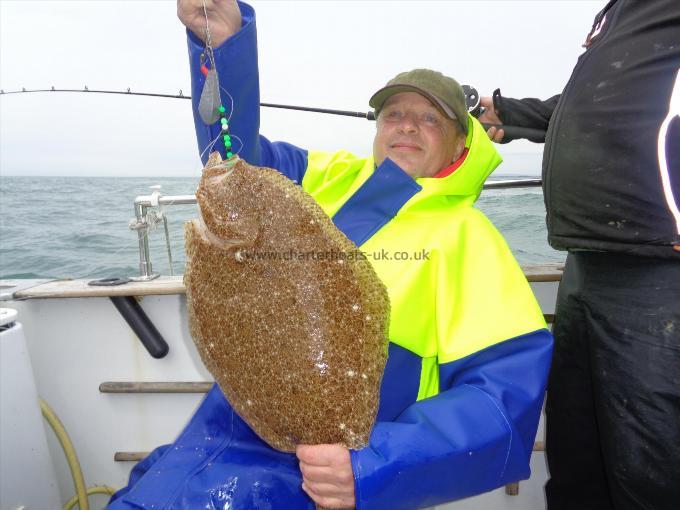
286, 313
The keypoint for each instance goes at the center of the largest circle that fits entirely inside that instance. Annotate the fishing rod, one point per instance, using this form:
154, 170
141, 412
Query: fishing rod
127, 92
473, 102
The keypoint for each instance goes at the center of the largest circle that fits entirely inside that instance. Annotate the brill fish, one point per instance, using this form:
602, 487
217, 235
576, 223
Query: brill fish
287, 316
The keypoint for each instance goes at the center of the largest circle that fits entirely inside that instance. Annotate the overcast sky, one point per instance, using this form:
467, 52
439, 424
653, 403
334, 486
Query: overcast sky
330, 54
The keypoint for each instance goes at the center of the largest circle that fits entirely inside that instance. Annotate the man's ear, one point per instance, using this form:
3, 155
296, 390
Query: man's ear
460, 147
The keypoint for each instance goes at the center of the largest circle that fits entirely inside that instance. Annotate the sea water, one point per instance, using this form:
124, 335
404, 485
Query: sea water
78, 227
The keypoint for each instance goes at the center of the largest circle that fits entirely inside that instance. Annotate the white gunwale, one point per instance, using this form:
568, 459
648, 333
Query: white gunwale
169, 285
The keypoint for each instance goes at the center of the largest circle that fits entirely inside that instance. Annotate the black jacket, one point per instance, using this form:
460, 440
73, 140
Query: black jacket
602, 178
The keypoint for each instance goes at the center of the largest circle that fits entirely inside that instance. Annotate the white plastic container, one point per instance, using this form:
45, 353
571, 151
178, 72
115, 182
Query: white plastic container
27, 477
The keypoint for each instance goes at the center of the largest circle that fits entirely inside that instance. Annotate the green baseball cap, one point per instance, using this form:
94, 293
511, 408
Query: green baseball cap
443, 92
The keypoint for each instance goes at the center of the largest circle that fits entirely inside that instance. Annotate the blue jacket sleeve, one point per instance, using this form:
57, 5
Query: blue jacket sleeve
475, 435
237, 69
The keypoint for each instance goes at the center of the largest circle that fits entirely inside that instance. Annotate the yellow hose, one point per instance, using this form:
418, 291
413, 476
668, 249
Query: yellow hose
70, 452
97, 489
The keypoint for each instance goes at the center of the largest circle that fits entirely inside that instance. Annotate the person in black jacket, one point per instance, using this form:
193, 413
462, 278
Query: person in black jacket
611, 180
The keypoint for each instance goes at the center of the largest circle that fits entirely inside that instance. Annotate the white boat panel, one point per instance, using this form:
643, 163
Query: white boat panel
75, 344
27, 476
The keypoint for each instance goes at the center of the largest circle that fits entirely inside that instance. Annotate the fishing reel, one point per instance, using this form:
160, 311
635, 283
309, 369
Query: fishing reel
473, 101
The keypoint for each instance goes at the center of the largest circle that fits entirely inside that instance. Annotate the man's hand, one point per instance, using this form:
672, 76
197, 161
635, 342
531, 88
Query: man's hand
490, 116
224, 17
327, 475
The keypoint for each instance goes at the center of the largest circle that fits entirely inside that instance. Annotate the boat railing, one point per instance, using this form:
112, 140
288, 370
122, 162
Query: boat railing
149, 213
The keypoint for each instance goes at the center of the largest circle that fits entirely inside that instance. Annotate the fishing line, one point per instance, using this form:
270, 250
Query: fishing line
208, 41
210, 107
89, 270
210, 145
231, 100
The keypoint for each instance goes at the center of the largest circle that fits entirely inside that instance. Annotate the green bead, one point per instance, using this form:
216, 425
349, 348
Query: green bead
227, 144
222, 109
229, 155
223, 120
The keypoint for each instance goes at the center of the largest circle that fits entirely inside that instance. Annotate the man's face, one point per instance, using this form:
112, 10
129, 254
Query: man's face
416, 136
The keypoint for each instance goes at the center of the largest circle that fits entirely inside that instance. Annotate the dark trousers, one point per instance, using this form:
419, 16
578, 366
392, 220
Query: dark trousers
613, 405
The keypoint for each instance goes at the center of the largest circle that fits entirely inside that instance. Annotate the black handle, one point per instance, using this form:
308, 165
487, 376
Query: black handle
141, 324
514, 132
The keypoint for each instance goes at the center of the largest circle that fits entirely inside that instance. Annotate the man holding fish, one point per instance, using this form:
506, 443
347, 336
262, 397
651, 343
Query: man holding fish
469, 351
